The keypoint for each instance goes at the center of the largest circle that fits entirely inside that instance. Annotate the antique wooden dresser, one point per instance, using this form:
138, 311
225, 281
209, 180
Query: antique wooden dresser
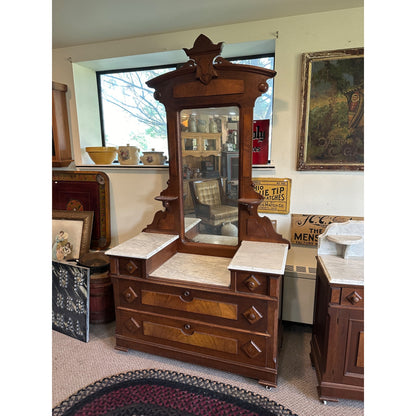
187, 290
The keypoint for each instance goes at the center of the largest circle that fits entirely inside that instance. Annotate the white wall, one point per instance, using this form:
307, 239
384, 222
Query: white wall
132, 191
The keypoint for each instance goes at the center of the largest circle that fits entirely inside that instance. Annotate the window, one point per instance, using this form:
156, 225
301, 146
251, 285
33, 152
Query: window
130, 115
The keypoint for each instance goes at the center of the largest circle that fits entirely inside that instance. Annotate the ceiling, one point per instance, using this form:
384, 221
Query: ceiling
78, 22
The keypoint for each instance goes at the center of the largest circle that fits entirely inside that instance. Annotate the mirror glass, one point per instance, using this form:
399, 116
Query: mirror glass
210, 167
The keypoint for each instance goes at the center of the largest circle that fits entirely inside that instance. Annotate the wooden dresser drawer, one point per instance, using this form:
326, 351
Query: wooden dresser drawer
130, 267
189, 335
255, 283
231, 310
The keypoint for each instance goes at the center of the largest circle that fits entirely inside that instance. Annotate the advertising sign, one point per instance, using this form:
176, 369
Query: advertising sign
276, 193
261, 142
305, 228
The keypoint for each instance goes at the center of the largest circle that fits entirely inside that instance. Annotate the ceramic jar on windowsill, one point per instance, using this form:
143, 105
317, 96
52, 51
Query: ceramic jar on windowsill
153, 158
128, 155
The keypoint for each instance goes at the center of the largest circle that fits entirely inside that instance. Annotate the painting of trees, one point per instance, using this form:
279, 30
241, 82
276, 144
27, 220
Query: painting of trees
334, 120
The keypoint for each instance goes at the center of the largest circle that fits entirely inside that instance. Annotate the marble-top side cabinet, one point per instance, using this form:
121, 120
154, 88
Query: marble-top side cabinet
337, 345
218, 312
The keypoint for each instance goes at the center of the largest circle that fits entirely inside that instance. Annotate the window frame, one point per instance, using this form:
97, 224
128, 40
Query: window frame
171, 65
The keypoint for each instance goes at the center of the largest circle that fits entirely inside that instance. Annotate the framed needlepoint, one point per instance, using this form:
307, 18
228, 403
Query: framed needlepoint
71, 234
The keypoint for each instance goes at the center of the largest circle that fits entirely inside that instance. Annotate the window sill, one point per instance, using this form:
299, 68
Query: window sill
165, 166
118, 166
264, 166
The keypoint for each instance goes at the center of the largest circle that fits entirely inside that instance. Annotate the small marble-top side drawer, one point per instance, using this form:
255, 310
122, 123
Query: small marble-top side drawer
251, 282
130, 267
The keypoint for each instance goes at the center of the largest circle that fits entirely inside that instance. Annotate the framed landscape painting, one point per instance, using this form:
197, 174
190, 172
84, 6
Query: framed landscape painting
331, 131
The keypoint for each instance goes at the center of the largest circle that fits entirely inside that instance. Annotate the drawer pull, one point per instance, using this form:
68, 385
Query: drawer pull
188, 330
252, 283
252, 315
129, 295
354, 298
131, 267
186, 296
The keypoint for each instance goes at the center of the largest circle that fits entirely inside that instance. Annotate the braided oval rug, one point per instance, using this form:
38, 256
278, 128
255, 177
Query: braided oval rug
165, 393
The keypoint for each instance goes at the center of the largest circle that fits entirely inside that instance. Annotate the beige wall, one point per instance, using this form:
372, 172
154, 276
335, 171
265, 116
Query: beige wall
132, 190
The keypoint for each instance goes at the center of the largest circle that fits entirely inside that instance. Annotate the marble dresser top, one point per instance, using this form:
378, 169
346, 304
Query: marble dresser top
143, 246
256, 256
195, 268
348, 271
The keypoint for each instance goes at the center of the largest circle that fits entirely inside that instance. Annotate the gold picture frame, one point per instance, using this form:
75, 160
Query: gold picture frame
331, 130
71, 234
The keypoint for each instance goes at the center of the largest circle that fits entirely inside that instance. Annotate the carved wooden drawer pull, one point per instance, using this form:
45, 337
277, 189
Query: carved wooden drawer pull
129, 295
252, 315
354, 298
131, 267
252, 283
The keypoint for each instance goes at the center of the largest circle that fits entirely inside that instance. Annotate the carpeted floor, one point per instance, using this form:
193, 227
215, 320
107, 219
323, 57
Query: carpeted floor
77, 364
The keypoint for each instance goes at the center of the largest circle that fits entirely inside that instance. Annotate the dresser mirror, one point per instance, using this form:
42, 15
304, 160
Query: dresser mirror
209, 174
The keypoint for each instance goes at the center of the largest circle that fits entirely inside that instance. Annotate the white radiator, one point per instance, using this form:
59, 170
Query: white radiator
299, 285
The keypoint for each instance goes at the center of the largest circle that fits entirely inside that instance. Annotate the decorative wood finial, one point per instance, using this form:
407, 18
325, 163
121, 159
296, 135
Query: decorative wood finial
203, 54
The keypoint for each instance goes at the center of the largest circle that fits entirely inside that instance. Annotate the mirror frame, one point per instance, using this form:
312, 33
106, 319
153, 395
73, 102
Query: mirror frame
208, 80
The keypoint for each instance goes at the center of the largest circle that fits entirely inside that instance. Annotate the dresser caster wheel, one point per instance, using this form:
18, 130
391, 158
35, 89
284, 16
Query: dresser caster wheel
325, 402
268, 387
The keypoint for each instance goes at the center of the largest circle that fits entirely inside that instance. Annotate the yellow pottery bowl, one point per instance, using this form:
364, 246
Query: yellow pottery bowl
102, 155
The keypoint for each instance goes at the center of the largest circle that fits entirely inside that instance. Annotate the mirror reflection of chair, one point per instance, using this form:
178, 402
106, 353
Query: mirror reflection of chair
211, 204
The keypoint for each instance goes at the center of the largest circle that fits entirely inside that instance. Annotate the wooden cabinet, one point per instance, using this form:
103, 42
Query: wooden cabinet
337, 346
232, 328
201, 144
202, 153
61, 144
201, 309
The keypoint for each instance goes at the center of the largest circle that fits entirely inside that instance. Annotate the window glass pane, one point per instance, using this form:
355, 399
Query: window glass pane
130, 113
263, 107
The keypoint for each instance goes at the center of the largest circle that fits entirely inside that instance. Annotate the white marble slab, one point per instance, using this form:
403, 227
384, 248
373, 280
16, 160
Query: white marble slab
342, 239
256, 256
195, 268
143, 246
344, 271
